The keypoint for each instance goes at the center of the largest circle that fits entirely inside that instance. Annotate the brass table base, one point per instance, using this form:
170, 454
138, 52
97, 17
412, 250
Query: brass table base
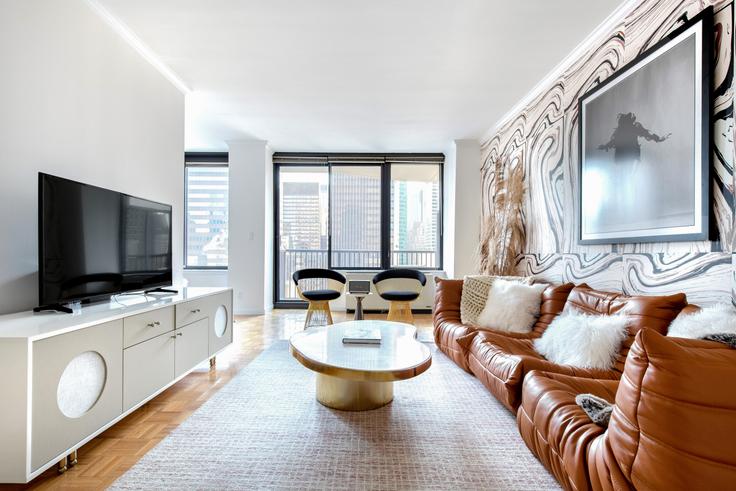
352, 395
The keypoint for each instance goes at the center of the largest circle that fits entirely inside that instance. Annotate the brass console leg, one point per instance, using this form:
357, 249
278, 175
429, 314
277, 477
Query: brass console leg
63, 466
213, 363
73, 459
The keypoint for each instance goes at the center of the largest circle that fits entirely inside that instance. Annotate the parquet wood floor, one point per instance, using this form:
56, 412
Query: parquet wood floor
109, 455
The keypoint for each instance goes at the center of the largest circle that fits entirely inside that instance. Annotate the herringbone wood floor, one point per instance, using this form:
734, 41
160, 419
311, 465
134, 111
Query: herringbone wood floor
108, 456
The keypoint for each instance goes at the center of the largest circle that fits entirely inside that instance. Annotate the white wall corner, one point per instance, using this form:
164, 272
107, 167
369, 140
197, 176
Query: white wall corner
137, 44
602, 29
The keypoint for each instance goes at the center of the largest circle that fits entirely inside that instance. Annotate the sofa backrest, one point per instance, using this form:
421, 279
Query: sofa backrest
654, 312
673, 423
586, 300
553, 301
447, 295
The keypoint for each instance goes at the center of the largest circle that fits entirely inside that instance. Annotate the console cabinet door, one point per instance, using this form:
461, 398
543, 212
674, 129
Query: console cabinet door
148, 367
191, 346
220, 315
77, 388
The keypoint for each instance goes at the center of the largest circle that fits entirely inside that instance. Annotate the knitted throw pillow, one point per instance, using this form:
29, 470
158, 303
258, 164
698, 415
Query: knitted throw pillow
598, 409
725, 338
475, 295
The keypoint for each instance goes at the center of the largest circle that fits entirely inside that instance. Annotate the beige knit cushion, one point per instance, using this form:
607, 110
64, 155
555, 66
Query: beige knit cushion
475, 295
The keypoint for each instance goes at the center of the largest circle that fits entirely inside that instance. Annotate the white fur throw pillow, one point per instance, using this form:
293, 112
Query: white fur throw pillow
475, 295
716, 319
584, 341
511, 306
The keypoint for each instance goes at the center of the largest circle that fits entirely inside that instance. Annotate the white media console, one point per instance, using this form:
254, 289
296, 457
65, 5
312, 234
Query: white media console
65, 378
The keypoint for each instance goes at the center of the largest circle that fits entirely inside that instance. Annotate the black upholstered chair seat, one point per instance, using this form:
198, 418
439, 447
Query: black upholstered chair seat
400, 296
321, 295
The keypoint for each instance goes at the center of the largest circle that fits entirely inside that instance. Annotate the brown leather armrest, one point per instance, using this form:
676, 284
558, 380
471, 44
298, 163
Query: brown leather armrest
447, 300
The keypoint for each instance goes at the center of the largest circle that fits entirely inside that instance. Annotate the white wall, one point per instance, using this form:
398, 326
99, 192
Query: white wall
78, 102
461, 205
250, 230
205, 277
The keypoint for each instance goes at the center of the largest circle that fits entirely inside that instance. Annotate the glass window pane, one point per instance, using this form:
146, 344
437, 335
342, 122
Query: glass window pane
302, 224
206, 215
415, 215
355, 219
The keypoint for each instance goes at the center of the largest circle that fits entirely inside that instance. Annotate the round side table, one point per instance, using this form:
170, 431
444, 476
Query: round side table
359, 304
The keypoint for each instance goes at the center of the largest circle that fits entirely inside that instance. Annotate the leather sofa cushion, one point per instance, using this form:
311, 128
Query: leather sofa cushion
553, 301
555, 428
586, 300
453, 337
500, 362
654, 312
674, 425
446, 320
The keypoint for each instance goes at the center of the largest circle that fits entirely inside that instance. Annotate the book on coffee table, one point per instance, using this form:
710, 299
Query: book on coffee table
362, 336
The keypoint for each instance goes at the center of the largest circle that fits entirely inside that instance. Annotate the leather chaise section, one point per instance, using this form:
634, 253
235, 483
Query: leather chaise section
553, 426
673, 426
501, 363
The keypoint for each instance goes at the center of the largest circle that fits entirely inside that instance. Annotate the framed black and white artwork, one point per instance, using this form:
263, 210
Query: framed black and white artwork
644, 144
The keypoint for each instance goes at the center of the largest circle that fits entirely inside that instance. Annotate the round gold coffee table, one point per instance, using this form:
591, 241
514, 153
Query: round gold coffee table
360, 377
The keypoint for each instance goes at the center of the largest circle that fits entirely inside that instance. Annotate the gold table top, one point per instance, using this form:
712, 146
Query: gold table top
399, 356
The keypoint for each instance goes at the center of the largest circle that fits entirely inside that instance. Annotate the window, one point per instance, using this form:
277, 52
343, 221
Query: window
302, 228
355, 216
355, 212
415, 215
206, 210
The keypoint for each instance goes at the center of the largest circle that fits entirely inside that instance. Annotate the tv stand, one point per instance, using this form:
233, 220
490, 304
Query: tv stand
55, 307
160, 290
128, 355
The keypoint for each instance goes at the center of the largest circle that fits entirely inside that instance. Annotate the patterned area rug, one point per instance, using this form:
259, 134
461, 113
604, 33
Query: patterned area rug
265, 430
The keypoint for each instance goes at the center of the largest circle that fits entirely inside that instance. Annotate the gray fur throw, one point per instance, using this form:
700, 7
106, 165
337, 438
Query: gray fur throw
598, 410
726, 338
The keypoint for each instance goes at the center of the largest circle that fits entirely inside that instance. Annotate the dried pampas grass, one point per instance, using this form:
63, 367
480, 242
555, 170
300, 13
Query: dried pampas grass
502, 235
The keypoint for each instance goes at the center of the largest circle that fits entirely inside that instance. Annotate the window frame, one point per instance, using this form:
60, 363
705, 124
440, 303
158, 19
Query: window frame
384, 161
202, 159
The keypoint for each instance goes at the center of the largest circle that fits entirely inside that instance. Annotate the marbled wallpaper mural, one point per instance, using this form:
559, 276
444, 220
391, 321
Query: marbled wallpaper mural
543, 139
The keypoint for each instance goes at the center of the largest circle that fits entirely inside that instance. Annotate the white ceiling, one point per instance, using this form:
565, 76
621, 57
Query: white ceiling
355, 75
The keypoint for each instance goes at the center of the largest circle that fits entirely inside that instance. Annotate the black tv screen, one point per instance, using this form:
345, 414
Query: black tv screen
94, 242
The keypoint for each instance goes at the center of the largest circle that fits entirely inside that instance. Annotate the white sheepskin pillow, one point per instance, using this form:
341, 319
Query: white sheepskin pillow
511, 306
716, 319
584, 341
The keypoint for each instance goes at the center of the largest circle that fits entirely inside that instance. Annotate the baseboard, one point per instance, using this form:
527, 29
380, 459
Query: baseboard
250, 312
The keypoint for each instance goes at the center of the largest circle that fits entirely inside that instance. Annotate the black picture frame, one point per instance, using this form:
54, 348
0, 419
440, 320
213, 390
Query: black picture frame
702, 26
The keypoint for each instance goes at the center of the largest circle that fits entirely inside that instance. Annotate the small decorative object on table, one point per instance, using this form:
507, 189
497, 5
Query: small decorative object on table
362, 336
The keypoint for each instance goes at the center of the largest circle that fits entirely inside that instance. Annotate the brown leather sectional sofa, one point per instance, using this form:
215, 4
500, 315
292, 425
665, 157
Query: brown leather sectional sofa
670, 430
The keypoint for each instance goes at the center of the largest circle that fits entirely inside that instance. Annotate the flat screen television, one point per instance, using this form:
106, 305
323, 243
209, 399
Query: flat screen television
95, 242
